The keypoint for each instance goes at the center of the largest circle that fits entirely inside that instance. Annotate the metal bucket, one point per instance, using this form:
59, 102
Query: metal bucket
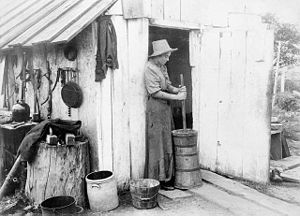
60, 205
144, 193
187, 168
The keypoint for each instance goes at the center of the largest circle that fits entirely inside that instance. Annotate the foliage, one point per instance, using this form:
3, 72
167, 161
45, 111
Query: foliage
291, 85
289, 37
286, 101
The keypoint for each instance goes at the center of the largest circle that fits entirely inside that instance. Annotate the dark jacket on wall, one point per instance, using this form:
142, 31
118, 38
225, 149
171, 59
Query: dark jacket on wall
30, 144
106, 48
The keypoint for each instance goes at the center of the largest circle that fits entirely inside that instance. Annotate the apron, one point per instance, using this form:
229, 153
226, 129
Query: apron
159, 149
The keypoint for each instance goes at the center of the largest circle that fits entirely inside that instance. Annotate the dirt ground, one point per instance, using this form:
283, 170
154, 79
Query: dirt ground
192, 205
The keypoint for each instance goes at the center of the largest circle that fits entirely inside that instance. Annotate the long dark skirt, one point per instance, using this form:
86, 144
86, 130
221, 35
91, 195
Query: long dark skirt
159, 150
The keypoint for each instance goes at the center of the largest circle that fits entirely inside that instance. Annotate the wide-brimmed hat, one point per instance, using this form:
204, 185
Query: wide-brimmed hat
161, 47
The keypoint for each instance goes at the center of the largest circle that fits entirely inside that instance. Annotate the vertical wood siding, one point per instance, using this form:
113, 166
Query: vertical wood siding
195, 51
234, 104
230, 75
213, 12
195, 11
122, 104
2, 66
91, 90
138, 52
208, 98
157, 9
113, 111
121, 130
172, 9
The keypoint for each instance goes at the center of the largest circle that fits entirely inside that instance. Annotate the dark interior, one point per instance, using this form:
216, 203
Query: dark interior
178, 64
99, 175
57, 202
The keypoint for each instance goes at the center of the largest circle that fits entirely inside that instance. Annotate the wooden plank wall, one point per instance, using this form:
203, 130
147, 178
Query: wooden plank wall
209, 99
195, 51
212, 12
2, 66
138, 34
195, 11
234, 102
91, 90
121, 140
113, 111
232, 111
121, 124
187, 10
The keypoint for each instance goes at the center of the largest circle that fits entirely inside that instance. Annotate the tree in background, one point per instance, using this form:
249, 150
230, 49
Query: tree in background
289, 37
286, 49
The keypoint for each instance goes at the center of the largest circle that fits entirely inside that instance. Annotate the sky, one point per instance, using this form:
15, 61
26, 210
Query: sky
285, 10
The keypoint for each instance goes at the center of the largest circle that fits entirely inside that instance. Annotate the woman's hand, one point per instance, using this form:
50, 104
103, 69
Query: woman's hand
182, 89
181, 95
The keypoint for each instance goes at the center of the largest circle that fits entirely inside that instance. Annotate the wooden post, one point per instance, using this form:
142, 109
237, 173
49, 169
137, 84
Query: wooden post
58, 171
276, 73
183, 104
282, 80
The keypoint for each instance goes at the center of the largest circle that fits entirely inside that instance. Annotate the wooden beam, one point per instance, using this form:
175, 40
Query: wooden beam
133, 9
172, 9
276, 73
249, 194
174, 24
120, 108
138, 30
157, 9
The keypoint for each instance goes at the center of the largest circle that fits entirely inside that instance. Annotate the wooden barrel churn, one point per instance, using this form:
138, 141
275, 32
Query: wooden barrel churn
187, 168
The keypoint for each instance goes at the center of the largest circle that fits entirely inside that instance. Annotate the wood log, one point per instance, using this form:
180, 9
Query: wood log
58, 170
296, 93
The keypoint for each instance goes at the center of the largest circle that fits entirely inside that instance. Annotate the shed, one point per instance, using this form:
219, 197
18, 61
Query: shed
226, 66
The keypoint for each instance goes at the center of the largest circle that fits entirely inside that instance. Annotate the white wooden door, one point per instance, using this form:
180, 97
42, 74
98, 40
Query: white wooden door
231, 107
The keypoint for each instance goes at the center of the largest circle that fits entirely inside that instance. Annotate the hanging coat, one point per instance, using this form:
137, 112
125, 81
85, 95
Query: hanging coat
106, 48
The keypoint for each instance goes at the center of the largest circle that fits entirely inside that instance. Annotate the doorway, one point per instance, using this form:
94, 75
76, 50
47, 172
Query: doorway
178, 64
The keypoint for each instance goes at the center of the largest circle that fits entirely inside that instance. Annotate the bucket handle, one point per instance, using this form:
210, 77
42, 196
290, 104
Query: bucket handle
96, 185
148, 198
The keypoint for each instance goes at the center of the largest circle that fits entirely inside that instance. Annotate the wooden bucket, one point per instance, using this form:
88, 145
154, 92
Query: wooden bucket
187, 168
144, 193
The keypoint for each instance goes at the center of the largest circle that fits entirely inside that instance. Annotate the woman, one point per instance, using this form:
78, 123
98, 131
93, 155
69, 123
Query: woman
159, 149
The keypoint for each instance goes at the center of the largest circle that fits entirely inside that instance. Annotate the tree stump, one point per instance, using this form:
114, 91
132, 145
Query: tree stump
58, 170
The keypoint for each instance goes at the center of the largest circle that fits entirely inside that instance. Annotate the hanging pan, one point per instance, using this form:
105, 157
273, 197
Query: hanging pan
71, 94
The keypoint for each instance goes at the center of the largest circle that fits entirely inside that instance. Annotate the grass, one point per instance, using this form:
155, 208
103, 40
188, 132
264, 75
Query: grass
263, 188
